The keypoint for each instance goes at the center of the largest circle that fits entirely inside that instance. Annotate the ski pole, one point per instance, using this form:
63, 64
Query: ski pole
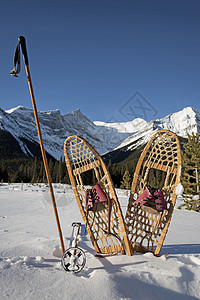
22, 42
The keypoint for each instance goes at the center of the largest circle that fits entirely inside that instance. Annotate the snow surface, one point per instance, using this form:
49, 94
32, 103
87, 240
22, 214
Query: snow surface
30, 254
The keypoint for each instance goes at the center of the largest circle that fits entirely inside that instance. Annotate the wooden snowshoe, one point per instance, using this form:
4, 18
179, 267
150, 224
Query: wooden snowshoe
161, 158
104, 220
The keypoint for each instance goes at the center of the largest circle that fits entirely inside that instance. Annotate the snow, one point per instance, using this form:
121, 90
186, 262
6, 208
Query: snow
130, 127
55, 127
104, 137
182, 123
17, 108
30, 254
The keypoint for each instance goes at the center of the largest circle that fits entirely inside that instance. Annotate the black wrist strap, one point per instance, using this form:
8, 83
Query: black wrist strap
17, 62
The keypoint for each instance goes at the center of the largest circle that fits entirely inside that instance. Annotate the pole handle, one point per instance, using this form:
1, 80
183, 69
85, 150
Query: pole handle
22, 41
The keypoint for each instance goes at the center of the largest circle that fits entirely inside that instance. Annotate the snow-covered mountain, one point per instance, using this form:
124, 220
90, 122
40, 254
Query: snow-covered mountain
56, 128
105, 137
182, 123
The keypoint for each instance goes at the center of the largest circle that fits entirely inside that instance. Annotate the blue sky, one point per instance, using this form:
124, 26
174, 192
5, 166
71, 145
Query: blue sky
108, 58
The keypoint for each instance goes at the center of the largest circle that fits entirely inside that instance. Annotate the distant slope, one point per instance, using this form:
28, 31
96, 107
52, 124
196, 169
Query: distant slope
9, 147
183, 122
56, 128
115, 139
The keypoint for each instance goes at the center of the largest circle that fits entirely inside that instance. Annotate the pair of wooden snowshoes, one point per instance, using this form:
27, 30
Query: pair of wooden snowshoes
142, 229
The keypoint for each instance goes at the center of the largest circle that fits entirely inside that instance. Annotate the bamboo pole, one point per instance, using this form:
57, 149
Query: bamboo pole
23, 45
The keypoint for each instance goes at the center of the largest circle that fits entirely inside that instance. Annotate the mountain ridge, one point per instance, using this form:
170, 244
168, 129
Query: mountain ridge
182, 122
105, 137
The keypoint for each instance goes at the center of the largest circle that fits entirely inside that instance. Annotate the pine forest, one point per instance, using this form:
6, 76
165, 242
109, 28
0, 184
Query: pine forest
31, 170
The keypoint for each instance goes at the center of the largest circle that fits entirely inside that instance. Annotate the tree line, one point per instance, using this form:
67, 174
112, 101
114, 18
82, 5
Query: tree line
31, 170
190, 177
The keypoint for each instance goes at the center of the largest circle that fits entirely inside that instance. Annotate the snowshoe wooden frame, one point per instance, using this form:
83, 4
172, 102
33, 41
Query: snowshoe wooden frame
81, 158
146, 230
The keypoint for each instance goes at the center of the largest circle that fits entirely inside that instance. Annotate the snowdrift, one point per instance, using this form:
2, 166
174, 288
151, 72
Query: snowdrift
30, 254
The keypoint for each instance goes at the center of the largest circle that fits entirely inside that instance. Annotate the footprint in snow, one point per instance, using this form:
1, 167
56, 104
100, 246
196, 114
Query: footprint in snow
29, 262
195, 259
189, 259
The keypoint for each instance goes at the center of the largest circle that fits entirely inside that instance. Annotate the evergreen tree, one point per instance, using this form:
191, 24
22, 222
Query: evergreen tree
51, 167
3, 175
55, 173
191, 172
109, 166
34, 173
61, 170
125, 183
41, 171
